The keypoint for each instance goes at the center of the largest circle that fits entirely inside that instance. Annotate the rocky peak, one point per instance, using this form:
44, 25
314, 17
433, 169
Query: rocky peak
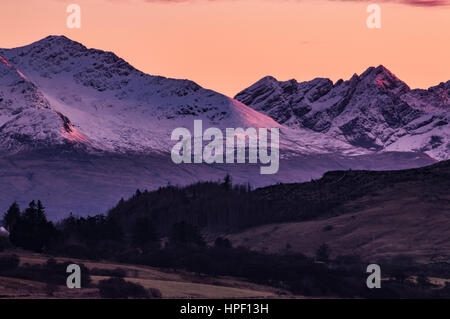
381, 78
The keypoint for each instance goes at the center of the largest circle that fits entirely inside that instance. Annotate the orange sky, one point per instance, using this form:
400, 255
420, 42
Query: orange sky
226, 45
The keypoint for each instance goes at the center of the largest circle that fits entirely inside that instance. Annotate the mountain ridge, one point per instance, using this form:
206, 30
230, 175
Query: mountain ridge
374, 110
111, 103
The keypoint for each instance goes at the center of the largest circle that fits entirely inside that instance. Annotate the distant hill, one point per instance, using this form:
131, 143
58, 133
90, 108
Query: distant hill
327, 196
373, 213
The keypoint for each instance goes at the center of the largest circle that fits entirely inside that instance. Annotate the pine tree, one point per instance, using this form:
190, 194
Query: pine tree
227, 182
32, 230
12, 216
40, 213
30, 212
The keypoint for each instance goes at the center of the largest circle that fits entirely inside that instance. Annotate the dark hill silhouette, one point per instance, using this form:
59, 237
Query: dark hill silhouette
225, 208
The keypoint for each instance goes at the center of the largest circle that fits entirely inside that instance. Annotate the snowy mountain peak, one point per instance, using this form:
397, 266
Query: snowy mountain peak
56, 40
382, 78
379, 70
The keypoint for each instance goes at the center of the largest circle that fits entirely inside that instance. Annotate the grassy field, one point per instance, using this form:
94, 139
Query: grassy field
172, 284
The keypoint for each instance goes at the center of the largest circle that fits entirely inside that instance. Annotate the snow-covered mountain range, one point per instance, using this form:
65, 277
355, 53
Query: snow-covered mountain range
80, 128
374, 110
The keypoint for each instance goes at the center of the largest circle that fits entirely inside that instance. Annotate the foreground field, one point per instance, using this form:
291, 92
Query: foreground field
171, 284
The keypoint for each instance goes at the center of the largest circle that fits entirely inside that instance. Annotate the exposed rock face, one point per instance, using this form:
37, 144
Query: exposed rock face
374, 110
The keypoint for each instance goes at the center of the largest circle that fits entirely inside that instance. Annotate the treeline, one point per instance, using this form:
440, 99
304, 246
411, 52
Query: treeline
211, 206
30, 229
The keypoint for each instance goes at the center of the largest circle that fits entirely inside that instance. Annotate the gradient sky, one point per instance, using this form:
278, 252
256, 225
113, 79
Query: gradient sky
226, 45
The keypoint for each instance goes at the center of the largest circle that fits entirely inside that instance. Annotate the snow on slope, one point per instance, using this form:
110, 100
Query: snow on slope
25, 114
114, 107
374, 110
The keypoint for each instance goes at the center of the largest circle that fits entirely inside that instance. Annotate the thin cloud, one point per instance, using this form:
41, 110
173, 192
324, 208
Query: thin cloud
417, 3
